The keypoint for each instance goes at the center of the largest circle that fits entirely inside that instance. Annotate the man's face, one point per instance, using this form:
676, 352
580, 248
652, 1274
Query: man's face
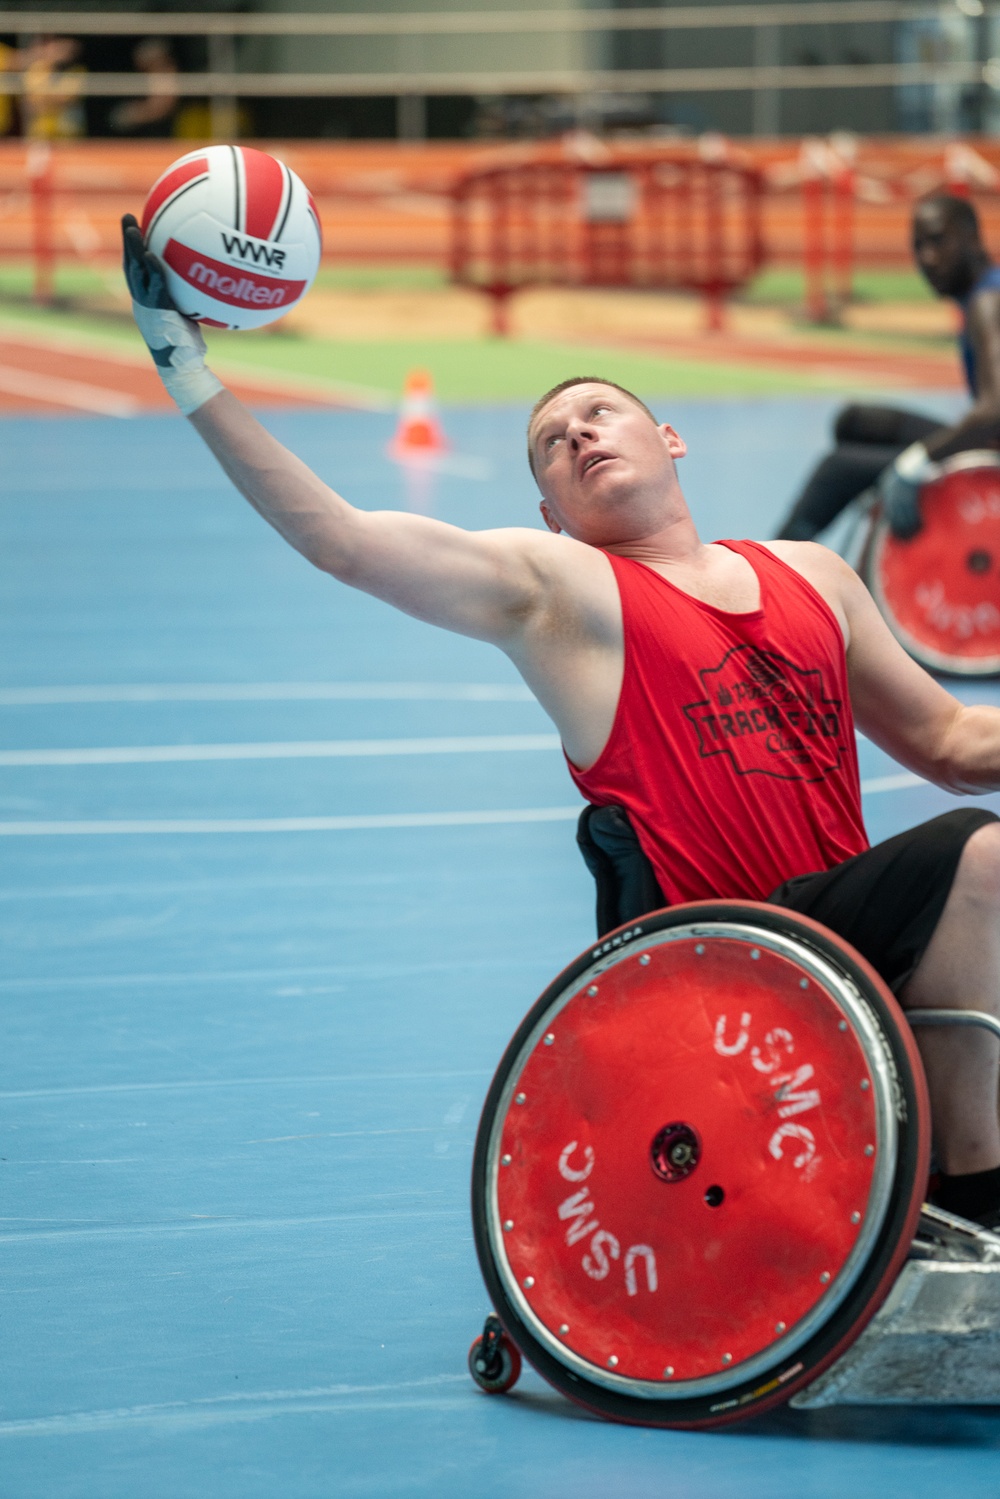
606, 472
945, 250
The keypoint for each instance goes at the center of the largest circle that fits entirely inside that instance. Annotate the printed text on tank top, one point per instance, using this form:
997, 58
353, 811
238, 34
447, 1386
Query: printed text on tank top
765, 713
748, 583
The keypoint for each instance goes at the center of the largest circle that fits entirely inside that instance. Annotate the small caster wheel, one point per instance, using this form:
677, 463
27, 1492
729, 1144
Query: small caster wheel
494, 1361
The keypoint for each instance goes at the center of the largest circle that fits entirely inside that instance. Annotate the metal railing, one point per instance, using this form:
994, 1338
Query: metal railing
475, 23
547, 81
228, 81
552, 81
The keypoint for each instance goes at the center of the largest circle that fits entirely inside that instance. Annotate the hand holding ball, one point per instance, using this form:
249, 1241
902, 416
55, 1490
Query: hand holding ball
230, 237
237, 234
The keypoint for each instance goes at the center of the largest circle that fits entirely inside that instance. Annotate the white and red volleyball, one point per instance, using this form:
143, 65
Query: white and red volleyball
238, 234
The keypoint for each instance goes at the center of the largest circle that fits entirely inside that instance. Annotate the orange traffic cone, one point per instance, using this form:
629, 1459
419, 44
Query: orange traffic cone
419, 434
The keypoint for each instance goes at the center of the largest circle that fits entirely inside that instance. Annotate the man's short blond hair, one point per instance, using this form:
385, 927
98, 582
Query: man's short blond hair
557, 390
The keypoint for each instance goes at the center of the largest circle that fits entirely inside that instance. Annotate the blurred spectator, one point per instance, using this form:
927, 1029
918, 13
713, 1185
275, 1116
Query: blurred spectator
10, 62
198, 121
51, 104
152, 115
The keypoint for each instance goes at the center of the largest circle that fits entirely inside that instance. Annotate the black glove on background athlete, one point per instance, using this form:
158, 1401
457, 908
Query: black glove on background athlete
899, 488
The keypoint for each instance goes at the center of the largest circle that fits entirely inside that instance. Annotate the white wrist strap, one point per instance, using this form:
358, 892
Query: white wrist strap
914, 464
178, 351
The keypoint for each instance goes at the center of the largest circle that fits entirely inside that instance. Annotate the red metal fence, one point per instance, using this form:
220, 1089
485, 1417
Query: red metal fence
654, 223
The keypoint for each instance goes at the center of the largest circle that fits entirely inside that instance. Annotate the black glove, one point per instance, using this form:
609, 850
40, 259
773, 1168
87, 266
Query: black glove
899, 488
899, 498
144, 275
174, 340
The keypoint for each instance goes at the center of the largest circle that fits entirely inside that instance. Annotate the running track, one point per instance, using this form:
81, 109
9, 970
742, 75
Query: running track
44, 374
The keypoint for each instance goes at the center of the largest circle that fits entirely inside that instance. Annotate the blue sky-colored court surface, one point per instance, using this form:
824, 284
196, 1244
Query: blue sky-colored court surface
281, 871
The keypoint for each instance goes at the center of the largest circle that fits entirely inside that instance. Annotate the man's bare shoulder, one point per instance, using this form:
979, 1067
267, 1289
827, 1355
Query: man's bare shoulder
571, 590
833, 579
817, 564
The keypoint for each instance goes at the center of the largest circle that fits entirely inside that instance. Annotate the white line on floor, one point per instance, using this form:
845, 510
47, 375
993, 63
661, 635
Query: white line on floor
247, 1405
361, 822
197, 1419
897, 782
209, 1223
56, 391
211, 1084
306, 749
265, 692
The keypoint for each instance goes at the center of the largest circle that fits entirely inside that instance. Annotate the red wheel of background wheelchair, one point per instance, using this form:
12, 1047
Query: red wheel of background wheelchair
940, 592
700, 1164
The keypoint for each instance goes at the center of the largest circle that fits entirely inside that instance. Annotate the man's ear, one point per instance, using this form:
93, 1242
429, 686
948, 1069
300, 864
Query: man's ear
549, 518
676, 446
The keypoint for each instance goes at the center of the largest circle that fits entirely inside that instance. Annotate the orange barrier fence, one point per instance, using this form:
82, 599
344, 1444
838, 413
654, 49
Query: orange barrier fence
651, 222
826, 207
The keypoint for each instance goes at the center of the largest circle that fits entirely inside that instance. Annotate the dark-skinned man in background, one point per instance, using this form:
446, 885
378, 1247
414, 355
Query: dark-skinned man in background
897, 451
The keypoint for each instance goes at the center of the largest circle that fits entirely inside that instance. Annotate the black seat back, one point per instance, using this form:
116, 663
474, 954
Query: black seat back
627, 887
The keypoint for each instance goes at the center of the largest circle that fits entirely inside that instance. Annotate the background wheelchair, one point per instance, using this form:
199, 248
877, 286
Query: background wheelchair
940, 592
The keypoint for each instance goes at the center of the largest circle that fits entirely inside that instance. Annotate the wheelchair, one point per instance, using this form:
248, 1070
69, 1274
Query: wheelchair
939, 592
699, 1177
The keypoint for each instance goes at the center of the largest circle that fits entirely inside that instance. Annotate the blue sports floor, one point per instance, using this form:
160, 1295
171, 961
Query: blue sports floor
252, 994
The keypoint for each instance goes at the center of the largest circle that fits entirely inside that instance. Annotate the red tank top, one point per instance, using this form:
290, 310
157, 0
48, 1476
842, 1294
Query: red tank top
732, 748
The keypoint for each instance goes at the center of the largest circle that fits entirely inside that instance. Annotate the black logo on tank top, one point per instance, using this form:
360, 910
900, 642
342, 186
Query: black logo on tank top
769, 716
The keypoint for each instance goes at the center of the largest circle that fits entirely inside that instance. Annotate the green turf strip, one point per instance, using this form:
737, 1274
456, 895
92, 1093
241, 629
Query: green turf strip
476, 371
488, 370
787, 287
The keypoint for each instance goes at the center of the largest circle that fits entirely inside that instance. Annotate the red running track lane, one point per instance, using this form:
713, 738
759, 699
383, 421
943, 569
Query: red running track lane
46, 377
894, 368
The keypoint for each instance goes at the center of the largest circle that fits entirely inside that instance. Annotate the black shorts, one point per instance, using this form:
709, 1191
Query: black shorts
887, 901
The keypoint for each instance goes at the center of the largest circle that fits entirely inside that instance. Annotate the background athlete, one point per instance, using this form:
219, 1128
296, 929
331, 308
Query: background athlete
705, 689
894, 449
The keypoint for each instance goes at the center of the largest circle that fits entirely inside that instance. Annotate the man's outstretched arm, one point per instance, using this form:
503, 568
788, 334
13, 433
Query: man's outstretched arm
485, 584
480, 583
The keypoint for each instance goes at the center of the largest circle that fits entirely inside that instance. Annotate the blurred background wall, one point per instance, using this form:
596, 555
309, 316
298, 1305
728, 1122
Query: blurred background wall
872, 68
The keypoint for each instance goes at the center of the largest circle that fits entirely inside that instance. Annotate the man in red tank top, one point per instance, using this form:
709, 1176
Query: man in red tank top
706, 689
